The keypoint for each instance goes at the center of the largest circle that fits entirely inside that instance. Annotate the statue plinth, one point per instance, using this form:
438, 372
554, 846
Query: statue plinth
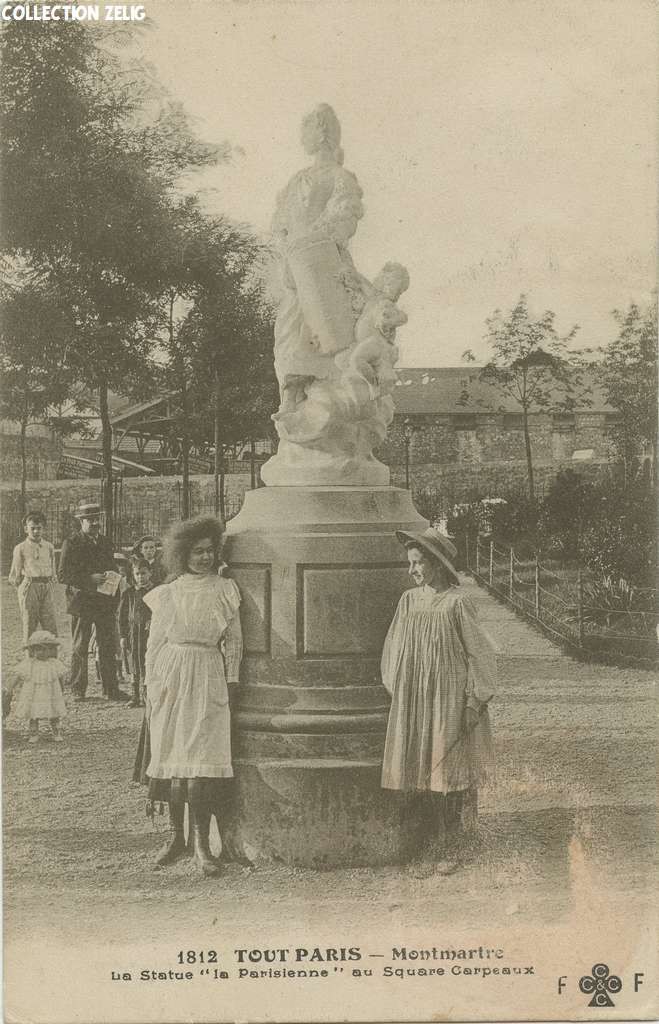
320, 572
294, 466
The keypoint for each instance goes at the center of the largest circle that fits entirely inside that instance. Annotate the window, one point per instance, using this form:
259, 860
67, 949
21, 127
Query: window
464, 421
513, 421
563, 421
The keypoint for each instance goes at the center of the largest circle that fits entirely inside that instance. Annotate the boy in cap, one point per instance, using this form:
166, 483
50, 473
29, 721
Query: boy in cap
33, 573
86, 562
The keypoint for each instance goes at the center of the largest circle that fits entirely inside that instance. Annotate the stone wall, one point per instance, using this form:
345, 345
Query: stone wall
495, 437
163, 489
454, 483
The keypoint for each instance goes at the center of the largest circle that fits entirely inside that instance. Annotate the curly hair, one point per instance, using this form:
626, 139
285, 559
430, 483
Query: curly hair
181, 538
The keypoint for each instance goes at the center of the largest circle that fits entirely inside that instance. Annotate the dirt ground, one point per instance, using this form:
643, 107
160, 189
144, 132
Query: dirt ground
571, 815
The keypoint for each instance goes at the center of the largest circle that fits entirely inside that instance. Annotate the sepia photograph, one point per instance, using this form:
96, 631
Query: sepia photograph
328, 504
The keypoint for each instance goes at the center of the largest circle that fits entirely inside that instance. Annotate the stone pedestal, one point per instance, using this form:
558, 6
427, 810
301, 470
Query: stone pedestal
320, 572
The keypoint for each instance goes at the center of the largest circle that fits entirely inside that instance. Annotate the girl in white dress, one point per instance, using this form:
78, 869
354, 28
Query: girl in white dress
193, 656
40, 675
440, 670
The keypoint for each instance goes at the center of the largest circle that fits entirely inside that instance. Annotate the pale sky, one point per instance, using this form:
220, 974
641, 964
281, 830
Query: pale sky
503, 146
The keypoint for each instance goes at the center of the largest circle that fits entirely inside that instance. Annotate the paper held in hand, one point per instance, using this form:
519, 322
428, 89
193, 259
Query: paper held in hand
110, 585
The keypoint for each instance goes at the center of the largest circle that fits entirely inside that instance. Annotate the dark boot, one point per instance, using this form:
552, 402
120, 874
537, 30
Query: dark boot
200, 822
452, 810
175, 848
135, 700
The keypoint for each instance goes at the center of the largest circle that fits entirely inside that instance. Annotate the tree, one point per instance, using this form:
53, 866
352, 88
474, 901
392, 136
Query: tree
233, 329
214, 350
36, 375
88, 189
629, 376
532, 365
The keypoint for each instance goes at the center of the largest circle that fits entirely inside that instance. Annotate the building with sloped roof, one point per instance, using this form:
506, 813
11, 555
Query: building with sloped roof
449, 429
454, 431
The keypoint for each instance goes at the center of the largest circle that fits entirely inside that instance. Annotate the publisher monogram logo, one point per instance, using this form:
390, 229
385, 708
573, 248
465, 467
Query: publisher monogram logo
600, 984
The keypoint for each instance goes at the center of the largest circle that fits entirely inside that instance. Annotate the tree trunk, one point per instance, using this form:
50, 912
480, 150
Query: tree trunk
252, 466
185, 423
185, 450
217, 465
106, 442
529, 455
24, 419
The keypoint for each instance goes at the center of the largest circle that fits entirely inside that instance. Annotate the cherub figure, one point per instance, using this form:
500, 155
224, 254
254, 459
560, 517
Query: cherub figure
374, 354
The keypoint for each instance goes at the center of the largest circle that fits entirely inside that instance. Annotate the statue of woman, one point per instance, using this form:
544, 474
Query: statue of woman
315, 218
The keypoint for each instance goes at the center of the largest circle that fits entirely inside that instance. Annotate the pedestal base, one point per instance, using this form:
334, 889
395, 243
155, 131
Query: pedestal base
320, 572
318, 813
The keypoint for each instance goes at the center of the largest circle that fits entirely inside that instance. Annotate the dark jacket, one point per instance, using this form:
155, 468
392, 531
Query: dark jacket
81, 556
158, 571
134, 622
134, 615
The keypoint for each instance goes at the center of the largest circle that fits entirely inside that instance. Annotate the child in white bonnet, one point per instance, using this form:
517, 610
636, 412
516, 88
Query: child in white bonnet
40, 675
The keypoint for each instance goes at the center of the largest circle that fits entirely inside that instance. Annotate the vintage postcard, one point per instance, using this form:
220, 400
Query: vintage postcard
328, 342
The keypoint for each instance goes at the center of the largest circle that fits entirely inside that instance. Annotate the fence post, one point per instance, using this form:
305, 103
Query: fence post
580, 606
491, 562
537, 588
510, 588
478, 554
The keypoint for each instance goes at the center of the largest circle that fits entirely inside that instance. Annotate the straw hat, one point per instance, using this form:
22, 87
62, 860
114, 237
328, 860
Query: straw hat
42, 638
433, 543
88, 510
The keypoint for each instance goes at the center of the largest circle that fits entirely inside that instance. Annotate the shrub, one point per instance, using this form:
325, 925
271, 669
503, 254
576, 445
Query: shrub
620, 549
608, 602
516, 521
565, 513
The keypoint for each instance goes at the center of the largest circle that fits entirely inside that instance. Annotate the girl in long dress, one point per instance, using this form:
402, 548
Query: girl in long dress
440, 670
187, 678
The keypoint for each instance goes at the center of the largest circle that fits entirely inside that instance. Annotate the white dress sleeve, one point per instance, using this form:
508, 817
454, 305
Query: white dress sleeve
481, 656
12, 680
232, 640
159, 600
393, 642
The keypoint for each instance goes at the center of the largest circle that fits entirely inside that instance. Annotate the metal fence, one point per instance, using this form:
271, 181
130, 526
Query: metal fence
569, 603
133, 517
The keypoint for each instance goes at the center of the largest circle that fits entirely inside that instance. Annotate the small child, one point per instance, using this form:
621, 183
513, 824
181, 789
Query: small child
41, 674
134, 622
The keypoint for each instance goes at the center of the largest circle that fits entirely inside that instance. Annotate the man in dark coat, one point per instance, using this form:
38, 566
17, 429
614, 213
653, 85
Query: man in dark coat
84, 564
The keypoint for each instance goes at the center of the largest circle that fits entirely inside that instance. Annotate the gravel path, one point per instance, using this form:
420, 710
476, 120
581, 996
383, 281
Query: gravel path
575, 792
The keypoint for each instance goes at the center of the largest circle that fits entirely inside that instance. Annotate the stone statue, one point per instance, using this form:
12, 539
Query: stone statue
335, 330
374, 354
